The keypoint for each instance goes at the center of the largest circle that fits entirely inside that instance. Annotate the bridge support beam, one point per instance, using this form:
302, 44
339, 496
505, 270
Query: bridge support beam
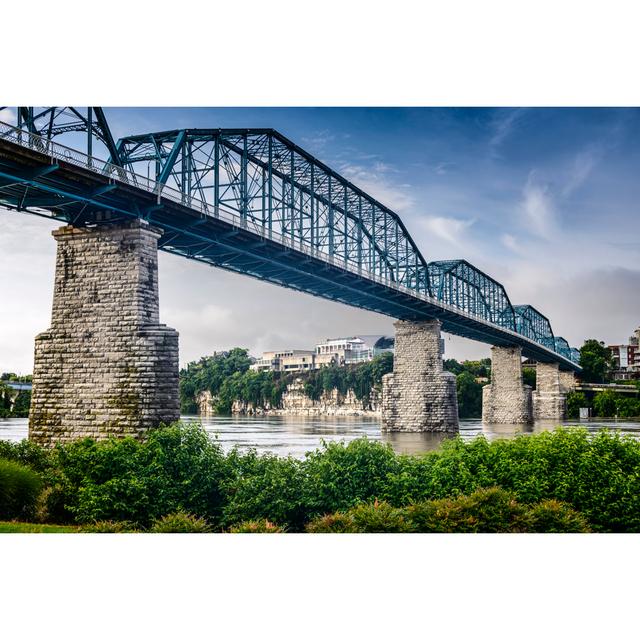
419, 395
106, 366
506, 400
550, 396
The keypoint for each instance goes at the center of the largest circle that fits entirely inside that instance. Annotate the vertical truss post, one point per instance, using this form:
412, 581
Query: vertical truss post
330, 218
292, 198
90, 133
244, 187
346, 224
359, 233
216, 174
311, 207
270, 185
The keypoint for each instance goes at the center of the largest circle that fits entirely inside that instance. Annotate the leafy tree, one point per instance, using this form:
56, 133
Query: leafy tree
576, 400
529, 376
604, 403
469, 395
595, 360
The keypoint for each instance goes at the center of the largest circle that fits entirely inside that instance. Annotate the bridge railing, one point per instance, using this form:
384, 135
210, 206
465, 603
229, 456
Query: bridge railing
57, 151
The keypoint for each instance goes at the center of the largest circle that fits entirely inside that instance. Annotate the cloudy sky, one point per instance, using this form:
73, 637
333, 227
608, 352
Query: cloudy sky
547, 201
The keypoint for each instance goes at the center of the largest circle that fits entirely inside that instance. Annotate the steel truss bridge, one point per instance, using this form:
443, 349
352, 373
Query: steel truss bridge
253, 202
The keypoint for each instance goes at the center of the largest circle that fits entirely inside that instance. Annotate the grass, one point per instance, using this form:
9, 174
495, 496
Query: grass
29, 527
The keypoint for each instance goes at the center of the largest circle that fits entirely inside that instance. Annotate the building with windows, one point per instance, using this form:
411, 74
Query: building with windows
626, 358
285, 360
332, 352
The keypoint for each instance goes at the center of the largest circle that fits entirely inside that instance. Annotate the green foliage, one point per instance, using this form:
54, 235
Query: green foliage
209, 373
469, 395
595, 360
575, 401
338, 476
178, 467
109, 526
379, 517
228, 378
256, 526
27, 453
490, 510
180, 522
529, 376
19, 490
551, 516
627, 407
264, 487
256, 387
14, 404
604, 403
598, 476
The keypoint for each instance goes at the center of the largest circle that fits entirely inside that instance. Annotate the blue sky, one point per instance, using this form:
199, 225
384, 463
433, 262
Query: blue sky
544, 200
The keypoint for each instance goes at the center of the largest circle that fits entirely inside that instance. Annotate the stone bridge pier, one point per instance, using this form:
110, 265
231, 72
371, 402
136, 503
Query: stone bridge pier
419, 395
106, 366
506, 399
550, 396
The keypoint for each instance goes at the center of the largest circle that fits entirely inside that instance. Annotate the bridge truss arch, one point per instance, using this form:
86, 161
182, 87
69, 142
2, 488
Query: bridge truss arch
253, 202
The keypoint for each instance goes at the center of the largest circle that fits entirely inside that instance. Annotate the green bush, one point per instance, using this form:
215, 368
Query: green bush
256, 526
490, 510
264, 487
19, 490
177, 468
551, 516
109, 526
378, 517
339, 476
604, 403
181, 522
26, 452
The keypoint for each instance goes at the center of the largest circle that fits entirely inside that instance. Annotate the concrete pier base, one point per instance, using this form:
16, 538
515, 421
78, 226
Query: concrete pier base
549, 398
106, 366
506, 400
419, 395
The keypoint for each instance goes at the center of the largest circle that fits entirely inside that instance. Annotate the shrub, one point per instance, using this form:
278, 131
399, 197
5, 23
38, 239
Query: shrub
490, 510
339, 476
551, 516
378, 517
177, 468
19, 490
27, 453
264, 487
604, 403
256, 526
109, 526
181, 522
332, 523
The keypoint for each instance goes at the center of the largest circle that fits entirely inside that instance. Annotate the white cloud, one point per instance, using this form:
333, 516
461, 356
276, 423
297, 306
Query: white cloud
511, 243
538, 207
582, 166
451, 230
502, 127
374, 180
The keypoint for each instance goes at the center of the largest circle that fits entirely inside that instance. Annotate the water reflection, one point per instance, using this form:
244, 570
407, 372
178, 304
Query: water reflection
296, 435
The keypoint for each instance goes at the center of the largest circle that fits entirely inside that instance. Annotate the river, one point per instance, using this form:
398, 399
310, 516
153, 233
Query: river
295, 435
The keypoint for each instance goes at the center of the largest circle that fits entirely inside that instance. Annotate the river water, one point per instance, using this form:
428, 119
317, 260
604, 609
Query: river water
295, 435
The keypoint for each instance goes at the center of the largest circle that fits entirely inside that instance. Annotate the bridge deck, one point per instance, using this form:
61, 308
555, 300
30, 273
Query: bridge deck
40, 177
